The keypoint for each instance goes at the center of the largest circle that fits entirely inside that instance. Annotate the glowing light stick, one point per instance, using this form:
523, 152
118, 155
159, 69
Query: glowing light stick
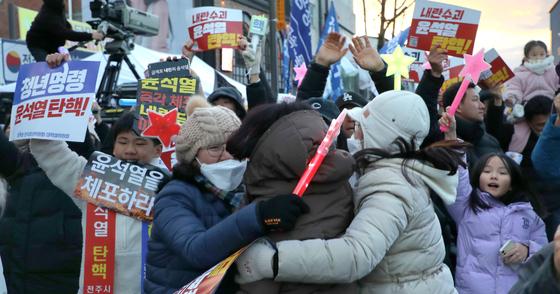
474, 65
322, 151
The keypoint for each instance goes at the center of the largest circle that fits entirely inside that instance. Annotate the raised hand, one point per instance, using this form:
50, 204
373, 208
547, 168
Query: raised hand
186, 50
332, 50
55, 59
449, 122
436, 57
366, 56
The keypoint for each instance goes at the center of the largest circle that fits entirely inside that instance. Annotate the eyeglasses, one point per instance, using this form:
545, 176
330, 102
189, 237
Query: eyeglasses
215, 151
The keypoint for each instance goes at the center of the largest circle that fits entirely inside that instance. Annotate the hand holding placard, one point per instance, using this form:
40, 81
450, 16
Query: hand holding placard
474, 65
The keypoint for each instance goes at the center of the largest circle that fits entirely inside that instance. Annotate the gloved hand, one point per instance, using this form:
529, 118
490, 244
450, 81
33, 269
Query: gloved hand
256, 263
251, 58
281, 212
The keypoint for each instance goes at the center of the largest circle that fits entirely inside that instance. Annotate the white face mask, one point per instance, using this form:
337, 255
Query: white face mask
225, 175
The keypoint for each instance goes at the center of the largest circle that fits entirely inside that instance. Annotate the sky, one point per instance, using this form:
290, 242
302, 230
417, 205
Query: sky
505, 25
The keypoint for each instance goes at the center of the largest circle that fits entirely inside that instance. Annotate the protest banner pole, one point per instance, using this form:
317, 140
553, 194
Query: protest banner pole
273, 49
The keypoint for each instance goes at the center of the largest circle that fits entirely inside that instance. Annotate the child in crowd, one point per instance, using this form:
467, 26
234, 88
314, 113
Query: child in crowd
497, 220
535, 76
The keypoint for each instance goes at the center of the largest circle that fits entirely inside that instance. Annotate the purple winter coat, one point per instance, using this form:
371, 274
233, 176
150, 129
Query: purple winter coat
480, 267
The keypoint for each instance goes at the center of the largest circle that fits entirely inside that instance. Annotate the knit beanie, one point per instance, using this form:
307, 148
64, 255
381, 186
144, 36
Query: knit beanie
206, 126
394, 114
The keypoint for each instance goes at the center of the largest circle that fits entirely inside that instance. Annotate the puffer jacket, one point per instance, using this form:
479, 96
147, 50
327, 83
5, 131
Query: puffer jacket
40, 232
193, 231
277, 163
527, 84
480, 268
64, 167
394, 243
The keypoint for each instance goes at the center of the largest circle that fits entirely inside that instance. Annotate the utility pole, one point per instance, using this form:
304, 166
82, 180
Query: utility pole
273, 49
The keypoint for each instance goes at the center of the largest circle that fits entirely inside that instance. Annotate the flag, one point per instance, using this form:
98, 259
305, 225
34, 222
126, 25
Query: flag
286, 66
331, 25
398, 40
299, 35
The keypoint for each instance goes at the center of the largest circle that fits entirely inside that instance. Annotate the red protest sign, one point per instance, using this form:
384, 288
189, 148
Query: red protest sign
500, 71
214, 27
452, 27
451, 77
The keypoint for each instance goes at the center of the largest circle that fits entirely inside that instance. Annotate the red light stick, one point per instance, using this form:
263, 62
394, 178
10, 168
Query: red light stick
322, 151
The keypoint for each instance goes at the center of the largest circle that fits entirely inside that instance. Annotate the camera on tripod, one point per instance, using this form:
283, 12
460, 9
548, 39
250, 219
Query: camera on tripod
121, 23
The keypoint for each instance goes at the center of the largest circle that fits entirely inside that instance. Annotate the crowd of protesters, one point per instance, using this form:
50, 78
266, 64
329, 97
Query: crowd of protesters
397, 206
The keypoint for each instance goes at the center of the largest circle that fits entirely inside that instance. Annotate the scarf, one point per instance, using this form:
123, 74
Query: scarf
233, 198
539, 66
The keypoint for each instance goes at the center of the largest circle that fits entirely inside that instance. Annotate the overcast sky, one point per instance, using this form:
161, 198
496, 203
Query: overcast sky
505, 24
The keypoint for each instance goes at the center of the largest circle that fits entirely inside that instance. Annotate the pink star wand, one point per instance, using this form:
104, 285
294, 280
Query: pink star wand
322, 151
474, 65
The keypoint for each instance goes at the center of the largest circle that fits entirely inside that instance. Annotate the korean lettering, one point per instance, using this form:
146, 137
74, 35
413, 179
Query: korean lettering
109, 192
458, 45
153, 179
100, 163
150, 84
137, 174
92, 186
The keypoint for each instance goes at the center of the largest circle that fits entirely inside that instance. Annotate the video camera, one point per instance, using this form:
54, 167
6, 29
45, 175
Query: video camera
125, 18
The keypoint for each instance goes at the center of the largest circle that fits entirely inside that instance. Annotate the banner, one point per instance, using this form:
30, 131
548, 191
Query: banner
214, 27
14, 55
53, 104
124, 187
501, 73
299, 33
162, 95
452, 27
208, 282
331, 25
99, 250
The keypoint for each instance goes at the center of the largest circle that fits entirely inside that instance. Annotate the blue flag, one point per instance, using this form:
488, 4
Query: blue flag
399, 40
331, 25
286, 66
299, 35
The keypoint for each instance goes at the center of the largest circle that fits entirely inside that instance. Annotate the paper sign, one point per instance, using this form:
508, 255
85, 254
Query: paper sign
500, 72
169, 69
162, 95
451, 76
214, 27
259, 25
208, 282
452, 27
124, 187
53, 104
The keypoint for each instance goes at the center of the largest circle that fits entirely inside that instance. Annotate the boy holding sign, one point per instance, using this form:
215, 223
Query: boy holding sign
64, 168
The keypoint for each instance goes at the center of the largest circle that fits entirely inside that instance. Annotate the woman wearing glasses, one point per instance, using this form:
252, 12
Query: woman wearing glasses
199, 218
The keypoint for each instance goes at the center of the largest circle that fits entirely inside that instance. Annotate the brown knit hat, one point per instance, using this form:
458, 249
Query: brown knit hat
205, 126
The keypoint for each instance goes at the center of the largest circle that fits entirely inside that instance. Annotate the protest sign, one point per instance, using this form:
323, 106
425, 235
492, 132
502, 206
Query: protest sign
124, 187
169, 69
500, 72
451, 76
214, 27
53, 104
452, 27
208, 282
163, 95
99, 251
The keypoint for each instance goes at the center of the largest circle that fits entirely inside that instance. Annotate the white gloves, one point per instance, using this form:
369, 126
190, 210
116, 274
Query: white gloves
256, 263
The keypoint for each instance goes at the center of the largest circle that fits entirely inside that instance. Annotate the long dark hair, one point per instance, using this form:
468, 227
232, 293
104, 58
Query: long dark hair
520, 191
445, 155
530, 45
243, 141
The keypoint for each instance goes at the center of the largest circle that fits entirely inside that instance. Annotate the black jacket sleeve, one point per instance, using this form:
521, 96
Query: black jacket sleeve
428, 89
497, 127
382, 82
314, 82
67, 33
257, 94
538, 275
10, 157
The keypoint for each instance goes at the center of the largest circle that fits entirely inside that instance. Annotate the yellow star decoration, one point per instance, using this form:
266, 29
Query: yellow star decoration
397, 65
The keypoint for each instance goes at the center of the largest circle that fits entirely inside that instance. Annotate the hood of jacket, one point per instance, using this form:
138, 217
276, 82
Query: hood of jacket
282, 153
443, 184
